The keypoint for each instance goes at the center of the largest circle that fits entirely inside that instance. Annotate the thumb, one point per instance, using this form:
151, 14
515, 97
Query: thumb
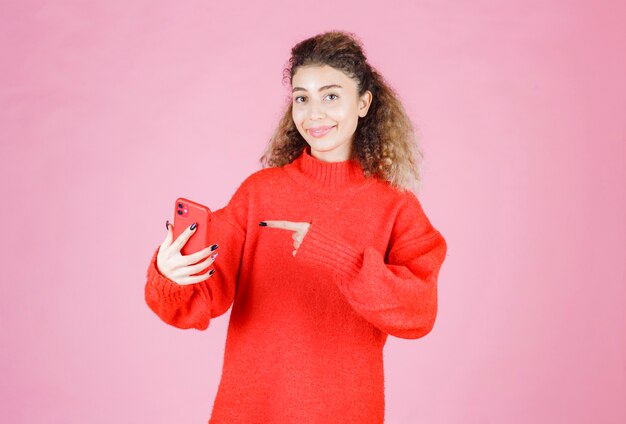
170, 234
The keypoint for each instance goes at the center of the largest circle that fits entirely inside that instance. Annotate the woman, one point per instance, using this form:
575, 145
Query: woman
343, 254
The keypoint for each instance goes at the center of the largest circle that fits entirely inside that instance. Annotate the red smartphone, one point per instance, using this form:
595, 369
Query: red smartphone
186, 212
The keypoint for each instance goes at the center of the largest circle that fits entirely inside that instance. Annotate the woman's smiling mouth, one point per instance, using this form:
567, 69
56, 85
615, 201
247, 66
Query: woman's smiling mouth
318, 132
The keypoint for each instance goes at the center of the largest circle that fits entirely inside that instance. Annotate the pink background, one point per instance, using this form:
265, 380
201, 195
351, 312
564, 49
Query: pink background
110, 110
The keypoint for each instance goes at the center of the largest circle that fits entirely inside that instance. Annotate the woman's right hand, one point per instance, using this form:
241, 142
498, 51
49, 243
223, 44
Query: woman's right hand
179, 268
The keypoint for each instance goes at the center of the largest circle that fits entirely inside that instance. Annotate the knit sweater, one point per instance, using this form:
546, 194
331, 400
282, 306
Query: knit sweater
306, 332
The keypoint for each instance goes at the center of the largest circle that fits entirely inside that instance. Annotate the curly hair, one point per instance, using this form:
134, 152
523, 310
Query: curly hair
385, 141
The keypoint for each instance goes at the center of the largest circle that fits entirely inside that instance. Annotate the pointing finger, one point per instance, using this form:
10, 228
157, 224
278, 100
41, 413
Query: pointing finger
286, 225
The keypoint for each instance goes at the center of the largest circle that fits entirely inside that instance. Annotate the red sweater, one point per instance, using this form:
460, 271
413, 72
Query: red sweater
306, 333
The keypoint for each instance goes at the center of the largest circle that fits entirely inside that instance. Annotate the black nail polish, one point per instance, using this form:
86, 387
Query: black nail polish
167, 224
193, 226
213, 247
211, 272
263, 224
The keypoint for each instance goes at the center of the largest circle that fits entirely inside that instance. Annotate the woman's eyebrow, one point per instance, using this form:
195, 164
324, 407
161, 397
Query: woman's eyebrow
320, 89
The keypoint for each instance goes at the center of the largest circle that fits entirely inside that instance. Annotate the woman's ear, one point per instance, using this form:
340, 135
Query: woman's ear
364, 103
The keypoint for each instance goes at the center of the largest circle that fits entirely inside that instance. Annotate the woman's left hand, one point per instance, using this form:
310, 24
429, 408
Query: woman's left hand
299, 228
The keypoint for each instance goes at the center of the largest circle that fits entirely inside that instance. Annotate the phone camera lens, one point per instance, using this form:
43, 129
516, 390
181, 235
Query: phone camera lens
180, 212
180, 205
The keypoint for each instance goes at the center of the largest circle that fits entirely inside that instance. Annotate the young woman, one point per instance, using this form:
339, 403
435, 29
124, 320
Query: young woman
323, 253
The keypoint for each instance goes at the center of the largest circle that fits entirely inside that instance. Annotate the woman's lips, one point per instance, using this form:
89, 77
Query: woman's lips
320, 131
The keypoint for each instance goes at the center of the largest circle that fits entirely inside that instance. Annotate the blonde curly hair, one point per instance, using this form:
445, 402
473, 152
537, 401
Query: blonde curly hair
385, 141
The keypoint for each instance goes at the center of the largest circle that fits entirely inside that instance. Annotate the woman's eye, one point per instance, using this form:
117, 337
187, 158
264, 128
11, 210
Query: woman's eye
295, 99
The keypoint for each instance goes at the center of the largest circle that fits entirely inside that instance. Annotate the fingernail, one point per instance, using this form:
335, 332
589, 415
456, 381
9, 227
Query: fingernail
167, 224
193, 226
263, 224
213, 247
213, 256
211, 272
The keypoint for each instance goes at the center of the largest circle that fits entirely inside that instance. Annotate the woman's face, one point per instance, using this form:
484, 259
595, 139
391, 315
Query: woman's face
326, 99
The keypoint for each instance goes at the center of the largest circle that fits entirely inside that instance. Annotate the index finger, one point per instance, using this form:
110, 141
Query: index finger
286, 225
182, 238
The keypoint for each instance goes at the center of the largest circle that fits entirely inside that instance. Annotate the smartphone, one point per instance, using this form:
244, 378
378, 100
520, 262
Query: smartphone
186, 212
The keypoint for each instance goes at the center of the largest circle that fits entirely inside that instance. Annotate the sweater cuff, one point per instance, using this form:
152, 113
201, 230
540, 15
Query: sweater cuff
321, 247
169, 291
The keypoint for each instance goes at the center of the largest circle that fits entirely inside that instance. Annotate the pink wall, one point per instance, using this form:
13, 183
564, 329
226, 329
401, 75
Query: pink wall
109, 110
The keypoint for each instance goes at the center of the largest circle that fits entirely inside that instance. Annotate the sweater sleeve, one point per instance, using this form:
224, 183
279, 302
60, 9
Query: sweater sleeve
398, 296
193, 305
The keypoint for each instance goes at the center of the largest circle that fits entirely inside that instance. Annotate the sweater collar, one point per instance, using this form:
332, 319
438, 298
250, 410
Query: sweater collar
324, 176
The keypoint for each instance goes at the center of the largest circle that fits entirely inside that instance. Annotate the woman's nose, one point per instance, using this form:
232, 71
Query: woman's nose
317, 112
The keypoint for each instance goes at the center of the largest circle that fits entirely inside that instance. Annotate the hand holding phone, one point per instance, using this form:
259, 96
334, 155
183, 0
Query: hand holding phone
178, 260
